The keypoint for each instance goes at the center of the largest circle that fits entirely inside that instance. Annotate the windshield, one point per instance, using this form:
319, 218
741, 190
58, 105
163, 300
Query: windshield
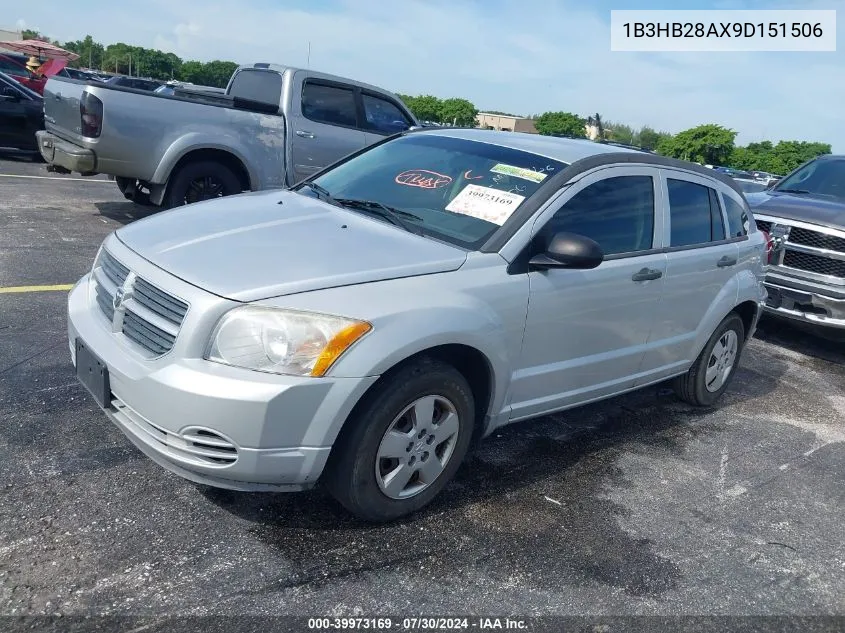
825, 177
451, 189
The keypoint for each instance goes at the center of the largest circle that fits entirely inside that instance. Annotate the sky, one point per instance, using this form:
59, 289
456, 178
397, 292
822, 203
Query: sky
520, 56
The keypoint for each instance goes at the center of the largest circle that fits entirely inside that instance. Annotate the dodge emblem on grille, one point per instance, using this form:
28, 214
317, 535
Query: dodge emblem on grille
117, 301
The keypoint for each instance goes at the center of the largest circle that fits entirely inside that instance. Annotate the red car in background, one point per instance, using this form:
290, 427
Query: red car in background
15, 66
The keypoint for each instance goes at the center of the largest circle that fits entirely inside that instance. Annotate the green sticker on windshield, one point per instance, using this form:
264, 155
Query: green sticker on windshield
519, 172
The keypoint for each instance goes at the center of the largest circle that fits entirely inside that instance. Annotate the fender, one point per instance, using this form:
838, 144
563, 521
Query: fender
197, 141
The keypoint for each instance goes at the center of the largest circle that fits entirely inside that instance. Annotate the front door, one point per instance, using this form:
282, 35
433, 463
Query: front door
13, 117
586, 329
325, 125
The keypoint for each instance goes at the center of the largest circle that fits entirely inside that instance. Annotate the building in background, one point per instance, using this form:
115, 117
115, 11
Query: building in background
9, 36
505, 123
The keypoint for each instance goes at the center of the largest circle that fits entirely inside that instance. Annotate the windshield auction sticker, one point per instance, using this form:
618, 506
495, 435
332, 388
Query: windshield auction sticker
485, 203
519, 172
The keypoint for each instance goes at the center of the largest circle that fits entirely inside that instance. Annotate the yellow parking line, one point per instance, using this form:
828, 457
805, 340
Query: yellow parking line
10, 289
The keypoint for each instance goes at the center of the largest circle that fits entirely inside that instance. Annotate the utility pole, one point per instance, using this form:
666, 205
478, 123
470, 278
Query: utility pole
308, 60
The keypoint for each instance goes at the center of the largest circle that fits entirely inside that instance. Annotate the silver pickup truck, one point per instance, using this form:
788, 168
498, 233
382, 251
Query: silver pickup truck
274, 126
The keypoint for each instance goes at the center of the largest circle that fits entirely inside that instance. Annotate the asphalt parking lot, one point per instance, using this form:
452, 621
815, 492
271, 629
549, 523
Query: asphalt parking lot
639, 505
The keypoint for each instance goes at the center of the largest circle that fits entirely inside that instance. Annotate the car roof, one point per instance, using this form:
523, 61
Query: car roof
565, 150
580, 155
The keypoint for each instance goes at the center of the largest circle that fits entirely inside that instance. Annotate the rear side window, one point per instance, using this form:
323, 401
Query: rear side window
694, 214
737, 218
329, 104
263, 86
383, 116
616, 212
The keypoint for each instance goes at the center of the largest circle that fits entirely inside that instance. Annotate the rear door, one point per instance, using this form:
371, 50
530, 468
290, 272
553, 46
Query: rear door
325, 124
700, 279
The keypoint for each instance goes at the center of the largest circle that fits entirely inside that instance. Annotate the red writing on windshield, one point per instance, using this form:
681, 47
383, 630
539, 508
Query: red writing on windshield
423, 178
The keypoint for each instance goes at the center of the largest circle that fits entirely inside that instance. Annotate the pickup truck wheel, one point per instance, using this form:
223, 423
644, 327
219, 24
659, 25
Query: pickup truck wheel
200, 181
404, 444
712, 371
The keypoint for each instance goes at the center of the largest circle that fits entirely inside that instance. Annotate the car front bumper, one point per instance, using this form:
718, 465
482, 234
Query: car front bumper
804, 301
213, 424
57, 151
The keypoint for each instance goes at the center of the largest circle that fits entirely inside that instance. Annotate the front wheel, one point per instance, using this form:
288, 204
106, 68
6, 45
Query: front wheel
712, 371
404, 444
204, 180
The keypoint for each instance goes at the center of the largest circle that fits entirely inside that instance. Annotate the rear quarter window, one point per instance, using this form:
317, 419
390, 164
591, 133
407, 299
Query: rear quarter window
738, 220
263, 86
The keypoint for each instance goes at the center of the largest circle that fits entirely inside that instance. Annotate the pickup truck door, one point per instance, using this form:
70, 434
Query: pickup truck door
325, 124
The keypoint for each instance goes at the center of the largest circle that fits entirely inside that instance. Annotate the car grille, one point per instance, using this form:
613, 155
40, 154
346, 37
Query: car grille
150, 317
798, 244
814, 263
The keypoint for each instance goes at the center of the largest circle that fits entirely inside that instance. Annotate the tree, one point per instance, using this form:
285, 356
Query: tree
709, 144
649, 139
777, 159
560, 124
29, 34
425, 107
90, 52
458, 112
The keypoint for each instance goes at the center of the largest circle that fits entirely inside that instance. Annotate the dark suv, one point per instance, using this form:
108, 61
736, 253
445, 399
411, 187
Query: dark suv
805, 211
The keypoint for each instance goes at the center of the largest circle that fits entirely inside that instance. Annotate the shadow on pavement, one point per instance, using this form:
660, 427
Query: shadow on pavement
802, 339
125, 211
538, 487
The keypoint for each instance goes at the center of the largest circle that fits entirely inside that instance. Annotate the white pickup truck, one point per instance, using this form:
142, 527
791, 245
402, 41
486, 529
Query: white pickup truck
274, 126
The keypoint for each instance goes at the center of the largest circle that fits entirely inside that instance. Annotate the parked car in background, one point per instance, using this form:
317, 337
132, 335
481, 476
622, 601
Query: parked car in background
273, 126
806, 211
181, 87
14, 66
135, 83
75, 73
364, 328
21, 115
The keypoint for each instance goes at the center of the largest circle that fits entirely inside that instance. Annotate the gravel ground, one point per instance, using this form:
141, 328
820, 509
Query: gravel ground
639, 505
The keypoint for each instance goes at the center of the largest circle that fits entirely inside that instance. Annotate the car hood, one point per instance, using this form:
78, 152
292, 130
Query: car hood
801, 207
267, 244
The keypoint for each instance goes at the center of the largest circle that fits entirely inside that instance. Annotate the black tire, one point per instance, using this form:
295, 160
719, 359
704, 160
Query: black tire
350, 474
691, 387
181, 192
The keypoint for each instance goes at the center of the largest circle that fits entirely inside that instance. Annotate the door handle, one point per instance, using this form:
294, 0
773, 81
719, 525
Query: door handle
304, 134
647, 274
726, 261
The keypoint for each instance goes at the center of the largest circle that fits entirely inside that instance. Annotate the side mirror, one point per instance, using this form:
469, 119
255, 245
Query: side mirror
771, 184
568, 250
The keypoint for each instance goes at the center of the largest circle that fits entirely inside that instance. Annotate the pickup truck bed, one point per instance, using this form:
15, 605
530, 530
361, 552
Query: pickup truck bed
273, 127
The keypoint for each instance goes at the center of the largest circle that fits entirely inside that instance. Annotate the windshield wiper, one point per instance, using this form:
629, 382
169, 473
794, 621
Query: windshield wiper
394, 216
322, 193
793, 190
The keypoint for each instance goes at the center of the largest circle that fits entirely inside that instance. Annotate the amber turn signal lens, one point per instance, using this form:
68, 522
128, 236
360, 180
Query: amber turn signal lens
339, 344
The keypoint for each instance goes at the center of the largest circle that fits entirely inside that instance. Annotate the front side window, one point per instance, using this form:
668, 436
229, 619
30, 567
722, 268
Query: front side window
383, 116
693, 217
329, 104
452, 189
617, 213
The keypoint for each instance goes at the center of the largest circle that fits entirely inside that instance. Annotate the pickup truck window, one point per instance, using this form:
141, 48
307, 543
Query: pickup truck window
617, 212
693, 218
383, 116
329, 104
264, 86
452, 189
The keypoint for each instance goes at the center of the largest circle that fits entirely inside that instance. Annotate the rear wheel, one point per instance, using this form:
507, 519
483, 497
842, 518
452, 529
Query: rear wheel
712, 371
405, 444
200, 181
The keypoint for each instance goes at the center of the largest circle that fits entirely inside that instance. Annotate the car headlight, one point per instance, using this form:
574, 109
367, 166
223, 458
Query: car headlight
283, 341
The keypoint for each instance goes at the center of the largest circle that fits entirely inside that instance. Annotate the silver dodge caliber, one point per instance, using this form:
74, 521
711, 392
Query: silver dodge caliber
365, 327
